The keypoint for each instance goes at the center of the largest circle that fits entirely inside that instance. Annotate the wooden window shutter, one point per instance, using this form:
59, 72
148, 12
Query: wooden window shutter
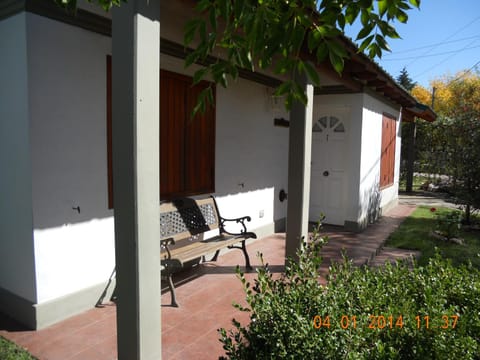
172, 124
187, 145
387, 160
199, 146
392, 145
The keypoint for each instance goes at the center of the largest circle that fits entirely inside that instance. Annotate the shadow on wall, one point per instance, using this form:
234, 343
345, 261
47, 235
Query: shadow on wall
55, 207
263, 205
372, 200
55, 212
256, 183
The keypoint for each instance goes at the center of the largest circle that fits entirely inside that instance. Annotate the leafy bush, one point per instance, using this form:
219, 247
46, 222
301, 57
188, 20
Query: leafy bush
10, 351
448, 224
392, 312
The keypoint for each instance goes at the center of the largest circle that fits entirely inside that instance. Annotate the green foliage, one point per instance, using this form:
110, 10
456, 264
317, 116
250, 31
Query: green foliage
405, 80
449, 146
418, 180
10, 351
415, 234
463, 155
289, 37
71, 5
448, 223
362, 313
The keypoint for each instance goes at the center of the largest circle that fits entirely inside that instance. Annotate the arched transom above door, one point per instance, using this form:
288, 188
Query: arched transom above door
329, 124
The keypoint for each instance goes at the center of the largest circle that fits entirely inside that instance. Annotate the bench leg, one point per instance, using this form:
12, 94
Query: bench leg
214, 258
245, 253
172, 290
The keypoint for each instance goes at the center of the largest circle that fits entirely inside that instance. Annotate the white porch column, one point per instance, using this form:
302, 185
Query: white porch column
135, 128
299, 161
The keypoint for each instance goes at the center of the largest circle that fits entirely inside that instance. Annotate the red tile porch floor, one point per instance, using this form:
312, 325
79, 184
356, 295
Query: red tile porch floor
205, 295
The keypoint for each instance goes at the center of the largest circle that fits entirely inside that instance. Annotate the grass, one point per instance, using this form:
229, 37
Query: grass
415, 234
10, 351
418, 181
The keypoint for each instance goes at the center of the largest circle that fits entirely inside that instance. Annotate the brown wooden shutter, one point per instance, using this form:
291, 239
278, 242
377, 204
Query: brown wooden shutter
387, 160
187, 146
392, 143
187, 150
199, 146
173, 89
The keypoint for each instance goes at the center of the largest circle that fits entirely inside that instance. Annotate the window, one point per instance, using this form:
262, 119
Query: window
329, 122
187, 145
387, 161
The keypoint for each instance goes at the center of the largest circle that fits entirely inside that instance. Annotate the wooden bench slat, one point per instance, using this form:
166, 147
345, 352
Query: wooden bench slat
201, 248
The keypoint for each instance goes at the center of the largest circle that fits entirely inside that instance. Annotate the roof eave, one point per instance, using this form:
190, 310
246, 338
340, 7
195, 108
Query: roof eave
421, 111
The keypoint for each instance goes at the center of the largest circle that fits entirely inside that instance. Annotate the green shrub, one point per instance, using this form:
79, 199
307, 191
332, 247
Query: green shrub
362, 313
10, 351
449, 223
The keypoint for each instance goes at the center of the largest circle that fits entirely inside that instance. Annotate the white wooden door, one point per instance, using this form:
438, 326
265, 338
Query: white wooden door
327, 188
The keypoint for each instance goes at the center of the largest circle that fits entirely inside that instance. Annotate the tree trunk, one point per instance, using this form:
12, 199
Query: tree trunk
467, 214
411, 158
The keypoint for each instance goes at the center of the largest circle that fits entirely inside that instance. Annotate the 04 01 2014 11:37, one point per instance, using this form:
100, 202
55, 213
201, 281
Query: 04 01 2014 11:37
380, 322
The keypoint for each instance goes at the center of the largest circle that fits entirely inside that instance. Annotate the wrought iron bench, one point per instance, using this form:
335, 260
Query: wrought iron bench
183, 224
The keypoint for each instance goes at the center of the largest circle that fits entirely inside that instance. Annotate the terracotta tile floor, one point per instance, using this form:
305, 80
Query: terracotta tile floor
205, 295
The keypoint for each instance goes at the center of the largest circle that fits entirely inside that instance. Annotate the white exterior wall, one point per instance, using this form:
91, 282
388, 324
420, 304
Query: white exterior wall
251, 155
364, 199
59, 133
372, 199
17, 264
74, 251
67, 92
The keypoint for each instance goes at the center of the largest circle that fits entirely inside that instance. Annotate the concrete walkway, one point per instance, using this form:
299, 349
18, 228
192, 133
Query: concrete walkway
434, 199
205, 295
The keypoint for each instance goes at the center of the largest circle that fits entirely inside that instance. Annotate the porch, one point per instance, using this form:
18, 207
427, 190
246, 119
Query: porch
205, 295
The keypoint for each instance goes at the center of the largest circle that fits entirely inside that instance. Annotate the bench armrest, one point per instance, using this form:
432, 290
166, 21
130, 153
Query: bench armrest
240, 220
164, 243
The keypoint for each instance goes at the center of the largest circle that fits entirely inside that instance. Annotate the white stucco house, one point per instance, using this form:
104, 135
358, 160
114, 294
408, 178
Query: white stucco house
56, 218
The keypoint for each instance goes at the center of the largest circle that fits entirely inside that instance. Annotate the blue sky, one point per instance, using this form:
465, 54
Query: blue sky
442, 38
